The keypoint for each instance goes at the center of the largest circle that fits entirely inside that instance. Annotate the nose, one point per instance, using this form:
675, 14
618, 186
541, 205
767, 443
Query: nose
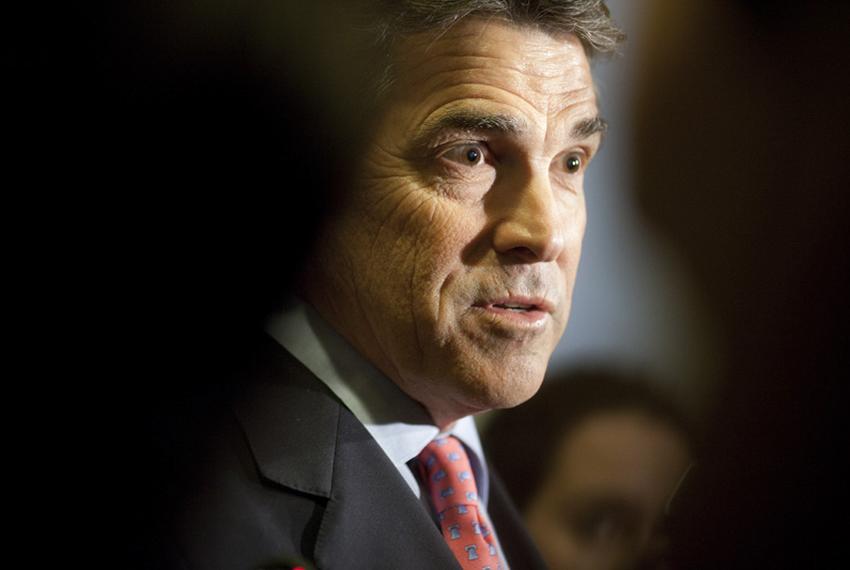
529, 226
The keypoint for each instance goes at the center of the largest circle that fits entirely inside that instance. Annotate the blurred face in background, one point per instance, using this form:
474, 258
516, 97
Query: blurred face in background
601, 506
452, 266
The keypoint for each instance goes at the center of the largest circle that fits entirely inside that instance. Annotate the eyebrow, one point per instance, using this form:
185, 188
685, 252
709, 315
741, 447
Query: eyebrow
588, 127
474, 121
467, 120
471, 121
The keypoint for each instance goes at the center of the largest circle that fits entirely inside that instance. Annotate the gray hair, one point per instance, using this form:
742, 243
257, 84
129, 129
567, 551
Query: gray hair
393, 20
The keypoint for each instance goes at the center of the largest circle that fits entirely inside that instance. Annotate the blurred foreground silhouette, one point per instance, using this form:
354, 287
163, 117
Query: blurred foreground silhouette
742, 159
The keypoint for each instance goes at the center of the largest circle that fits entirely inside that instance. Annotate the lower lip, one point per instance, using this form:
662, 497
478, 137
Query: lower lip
529, 320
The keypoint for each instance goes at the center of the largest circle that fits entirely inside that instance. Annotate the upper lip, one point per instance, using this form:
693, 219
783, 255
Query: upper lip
521, 302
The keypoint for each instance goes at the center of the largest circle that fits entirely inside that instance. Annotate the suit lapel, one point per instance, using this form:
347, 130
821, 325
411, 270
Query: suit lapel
373, 519
290, 419
303, 438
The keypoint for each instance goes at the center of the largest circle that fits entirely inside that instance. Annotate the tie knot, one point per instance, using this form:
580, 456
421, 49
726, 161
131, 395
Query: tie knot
447, 474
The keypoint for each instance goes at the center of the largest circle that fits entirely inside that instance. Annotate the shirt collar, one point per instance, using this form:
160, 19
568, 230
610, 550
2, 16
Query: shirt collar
400, 425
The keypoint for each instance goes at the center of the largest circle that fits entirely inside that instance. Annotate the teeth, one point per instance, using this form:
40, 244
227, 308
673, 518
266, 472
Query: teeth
513, 307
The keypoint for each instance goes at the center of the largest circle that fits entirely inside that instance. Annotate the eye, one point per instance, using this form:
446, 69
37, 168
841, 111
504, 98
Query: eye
573, 163
466, 154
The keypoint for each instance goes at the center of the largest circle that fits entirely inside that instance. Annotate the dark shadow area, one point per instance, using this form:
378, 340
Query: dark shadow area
173, 163
741, 158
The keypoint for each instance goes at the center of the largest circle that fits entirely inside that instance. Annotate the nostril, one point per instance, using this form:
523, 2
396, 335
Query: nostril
529, 242
527, 254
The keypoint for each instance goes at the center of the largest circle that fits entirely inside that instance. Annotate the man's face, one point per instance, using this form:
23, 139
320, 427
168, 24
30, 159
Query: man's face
601, 504
452, 267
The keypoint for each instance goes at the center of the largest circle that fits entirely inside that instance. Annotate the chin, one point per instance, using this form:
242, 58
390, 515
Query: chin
507, 386
468, 393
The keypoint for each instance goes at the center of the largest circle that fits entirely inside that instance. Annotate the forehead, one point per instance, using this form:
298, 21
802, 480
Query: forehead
525, 71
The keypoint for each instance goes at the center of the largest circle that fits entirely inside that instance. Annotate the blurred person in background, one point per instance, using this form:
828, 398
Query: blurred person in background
593, 462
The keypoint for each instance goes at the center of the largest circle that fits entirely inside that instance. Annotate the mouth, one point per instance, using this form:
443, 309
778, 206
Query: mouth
517, 312
517, 305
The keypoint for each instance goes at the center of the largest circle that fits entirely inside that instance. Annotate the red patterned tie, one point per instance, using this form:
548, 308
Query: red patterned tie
448, 476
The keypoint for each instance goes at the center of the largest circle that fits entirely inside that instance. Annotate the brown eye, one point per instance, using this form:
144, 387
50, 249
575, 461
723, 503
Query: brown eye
573, 163
467, 154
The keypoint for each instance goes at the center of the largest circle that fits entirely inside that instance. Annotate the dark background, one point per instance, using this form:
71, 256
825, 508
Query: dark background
742, 159
168, 167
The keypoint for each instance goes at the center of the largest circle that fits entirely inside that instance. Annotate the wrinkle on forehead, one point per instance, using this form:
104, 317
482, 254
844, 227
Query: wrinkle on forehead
481, 59
543, 54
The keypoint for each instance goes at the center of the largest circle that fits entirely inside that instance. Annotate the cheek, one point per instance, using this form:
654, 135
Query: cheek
443, 239
416, 243
573, 224
573, 219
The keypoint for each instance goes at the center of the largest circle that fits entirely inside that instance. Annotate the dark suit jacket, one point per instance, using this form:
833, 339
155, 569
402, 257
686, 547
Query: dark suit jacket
295, 478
